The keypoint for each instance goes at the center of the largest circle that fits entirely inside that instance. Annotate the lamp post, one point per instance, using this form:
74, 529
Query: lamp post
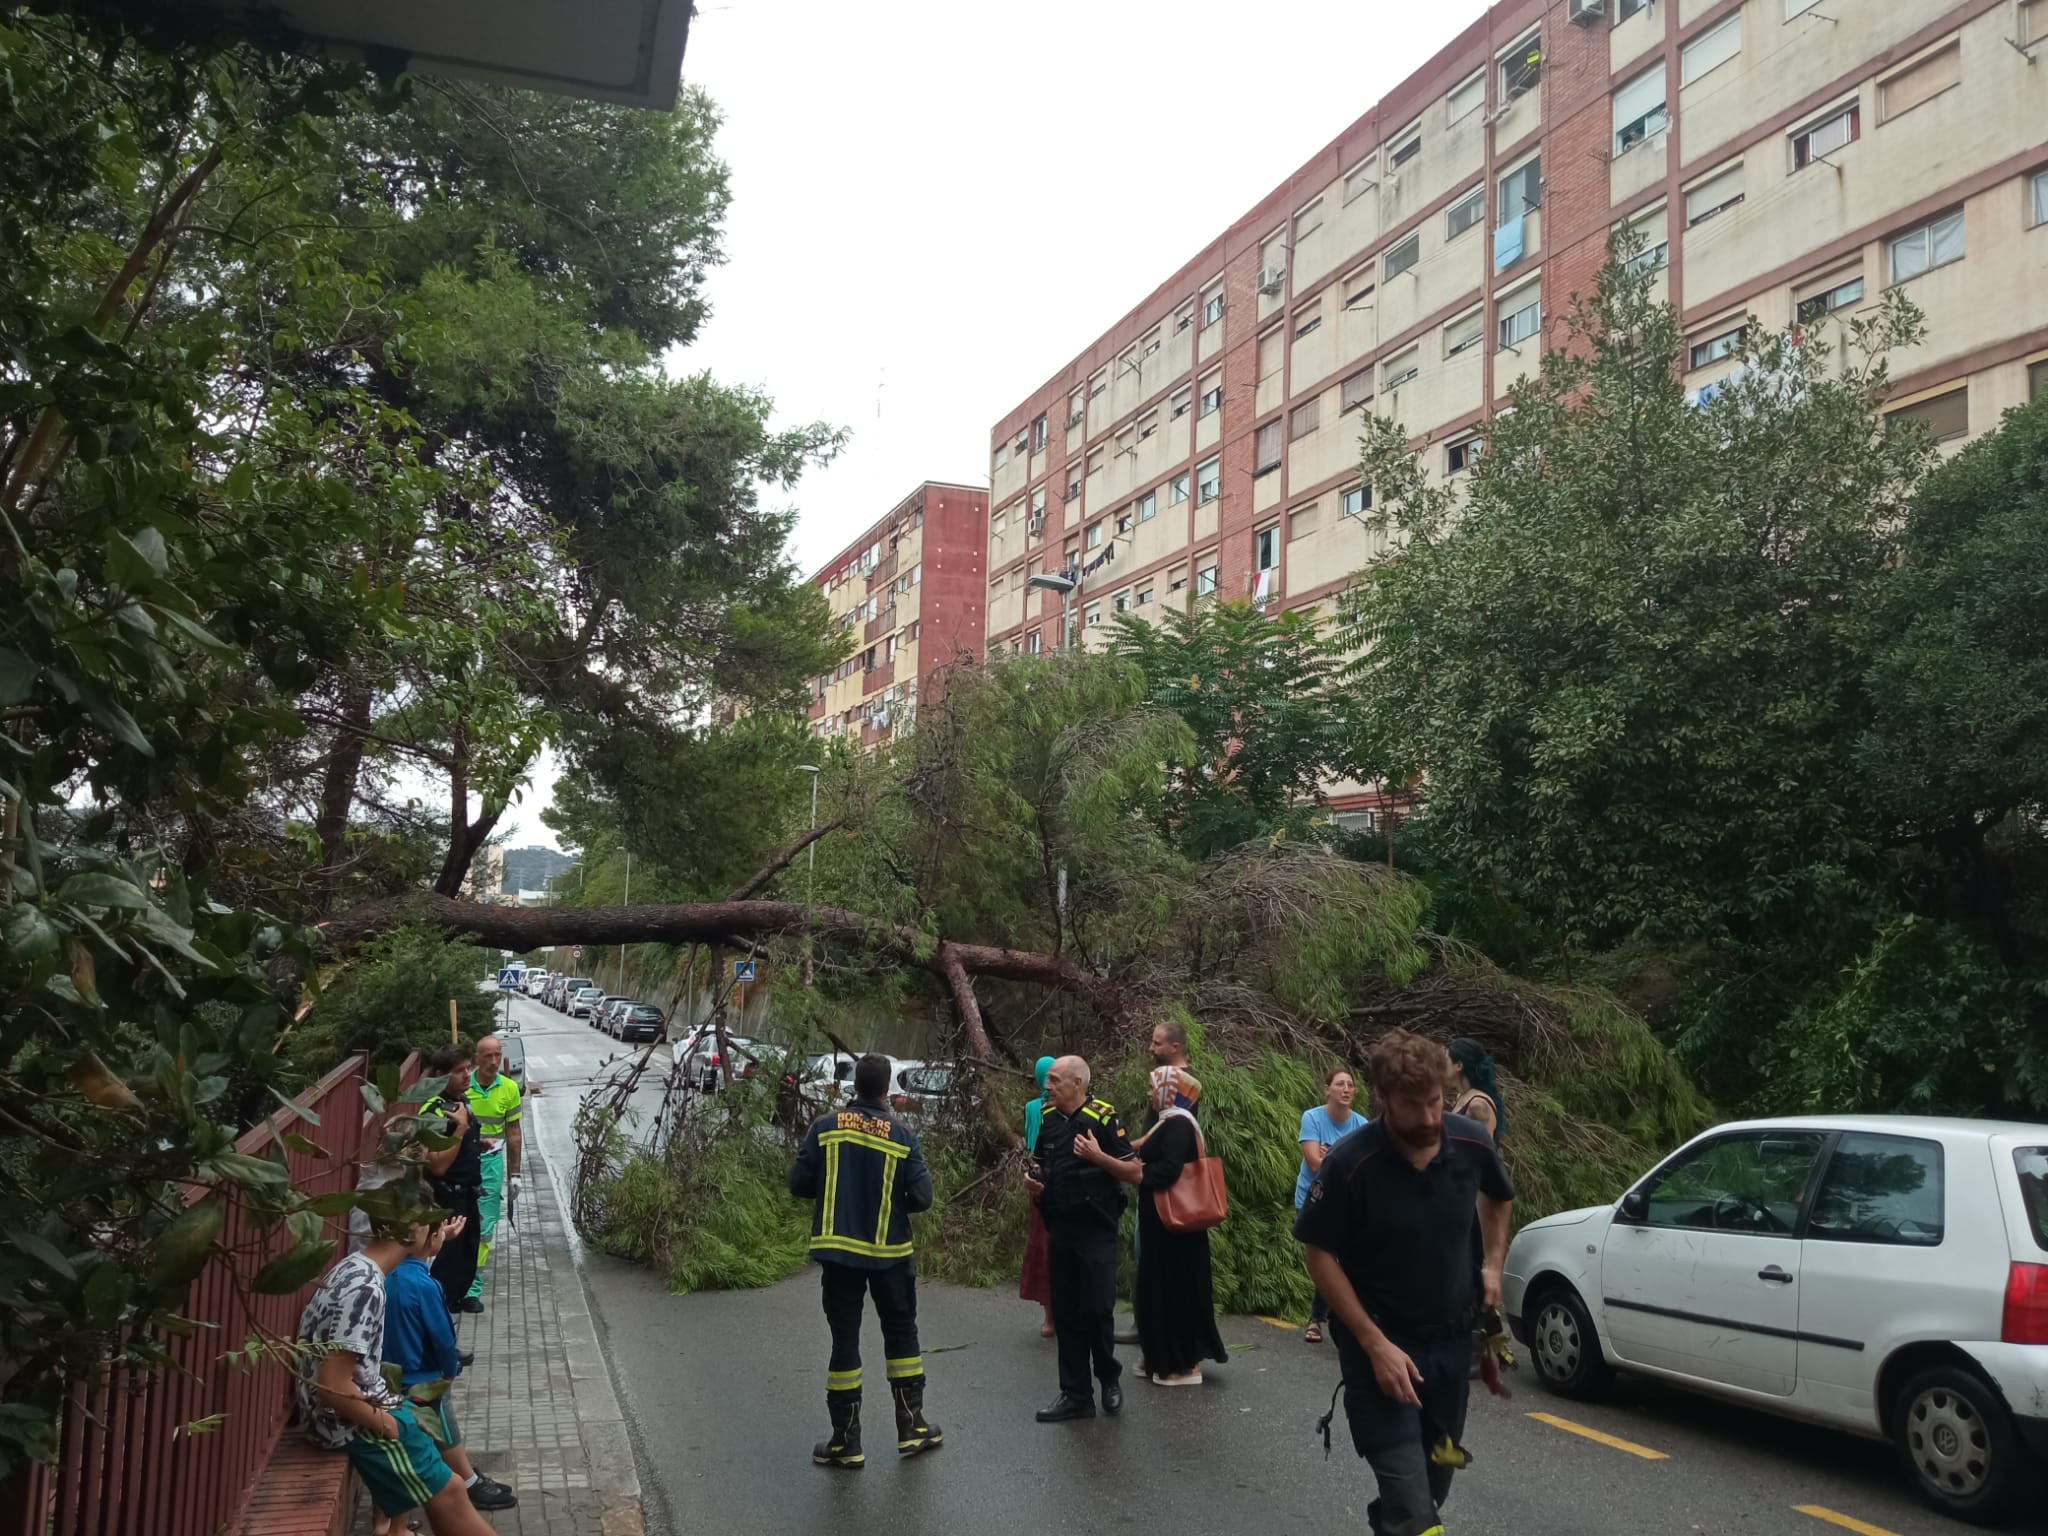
628, 902
811, 865
1064, 583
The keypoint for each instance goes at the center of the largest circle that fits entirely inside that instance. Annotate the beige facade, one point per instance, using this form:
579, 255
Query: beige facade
1788, 161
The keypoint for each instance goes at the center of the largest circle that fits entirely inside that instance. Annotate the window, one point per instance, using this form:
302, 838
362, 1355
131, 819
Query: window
1464, 213
1308, 221
1714, 348
1521, 316
1655, 253
1919, 82
1038, 502
1091, 615
1183, 402
1462, 455
1306, 419
1177, 579
1212, 400
1144, 596
1184, 317
1148, 506
1212, 309
1095, 536
2037, 185
1038, 433
1521, 67
1826, 136
1266, 451
1122, 601
2033, 21
1837, 296
1945, 416
1354, 501
1403, 368
1639, 110
1880, 1189
1357, 389
1302, 521
1002, 454
1462, 334
1127, 441
1521, 190
1123, 523
1717, 194
1359, 182
1932, 245
1308, 320
1750, 1182
1177, 489
1710, 50
1267, 548
1403, 256
1404, 146
1205, 580
1150, 344
1208, 481
1272, 353
1147, 425
1466, 97
1358, 287
1628, 8
1095, 459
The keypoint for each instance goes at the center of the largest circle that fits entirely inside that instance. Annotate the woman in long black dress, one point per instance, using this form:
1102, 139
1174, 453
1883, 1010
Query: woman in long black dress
1176, 1301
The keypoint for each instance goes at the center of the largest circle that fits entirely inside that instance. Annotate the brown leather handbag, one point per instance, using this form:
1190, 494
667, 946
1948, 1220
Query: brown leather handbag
1198, 1199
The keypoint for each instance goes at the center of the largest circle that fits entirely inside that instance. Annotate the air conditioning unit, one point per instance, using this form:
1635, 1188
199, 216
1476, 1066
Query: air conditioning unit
1185, 322
1074, 420
1584, 13
1035, 528
1272, 280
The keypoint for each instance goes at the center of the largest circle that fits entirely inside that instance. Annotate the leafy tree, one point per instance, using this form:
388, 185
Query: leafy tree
1628, 655
1270, 730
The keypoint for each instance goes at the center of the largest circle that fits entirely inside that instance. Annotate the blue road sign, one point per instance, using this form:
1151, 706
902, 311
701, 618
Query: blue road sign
743, 970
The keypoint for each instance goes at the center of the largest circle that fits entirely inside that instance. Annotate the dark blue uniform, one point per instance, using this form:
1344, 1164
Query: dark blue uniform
867, 1175
1082, 1205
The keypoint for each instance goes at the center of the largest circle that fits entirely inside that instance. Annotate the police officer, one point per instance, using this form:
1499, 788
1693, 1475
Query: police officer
867, 1175
456, 1172
1081, 1204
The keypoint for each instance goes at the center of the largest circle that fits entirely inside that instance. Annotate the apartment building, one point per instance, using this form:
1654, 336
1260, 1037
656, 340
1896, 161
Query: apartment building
1786, 160
910, 591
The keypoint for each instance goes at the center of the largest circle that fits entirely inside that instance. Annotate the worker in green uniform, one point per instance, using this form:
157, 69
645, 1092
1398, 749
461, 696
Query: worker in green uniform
494, 1101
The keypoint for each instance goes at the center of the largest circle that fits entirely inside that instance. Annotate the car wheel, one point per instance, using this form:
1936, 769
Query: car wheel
1567, 1350
1957, 1436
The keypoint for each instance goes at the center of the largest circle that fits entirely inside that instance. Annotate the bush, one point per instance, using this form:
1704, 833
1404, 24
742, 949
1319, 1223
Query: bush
392, 998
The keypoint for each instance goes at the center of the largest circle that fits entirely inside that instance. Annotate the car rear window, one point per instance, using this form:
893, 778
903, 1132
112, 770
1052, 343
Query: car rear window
2033, 1169
1881, 1189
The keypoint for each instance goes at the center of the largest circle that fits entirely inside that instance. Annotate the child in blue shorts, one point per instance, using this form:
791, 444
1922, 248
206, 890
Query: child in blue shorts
347, 1405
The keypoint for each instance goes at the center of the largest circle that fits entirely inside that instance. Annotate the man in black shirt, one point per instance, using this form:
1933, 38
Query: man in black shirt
456, 1173
1388, 1229
1081, 1205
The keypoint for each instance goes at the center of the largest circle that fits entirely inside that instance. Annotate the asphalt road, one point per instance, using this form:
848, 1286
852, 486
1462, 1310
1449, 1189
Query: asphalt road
725, 1393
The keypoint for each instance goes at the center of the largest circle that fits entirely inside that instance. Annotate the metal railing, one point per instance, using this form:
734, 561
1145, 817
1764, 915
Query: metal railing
177, 1451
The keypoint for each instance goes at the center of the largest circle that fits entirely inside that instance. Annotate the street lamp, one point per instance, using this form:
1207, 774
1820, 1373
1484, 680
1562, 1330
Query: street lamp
811, 861
1063, 583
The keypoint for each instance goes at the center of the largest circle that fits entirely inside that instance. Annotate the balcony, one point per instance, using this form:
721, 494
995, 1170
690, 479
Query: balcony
883, 623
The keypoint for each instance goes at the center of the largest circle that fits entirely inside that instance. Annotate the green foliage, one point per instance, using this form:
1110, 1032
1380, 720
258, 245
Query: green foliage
392, 999
1257, 691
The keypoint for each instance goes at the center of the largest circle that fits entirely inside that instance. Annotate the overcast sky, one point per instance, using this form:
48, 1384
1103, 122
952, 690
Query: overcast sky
936, 204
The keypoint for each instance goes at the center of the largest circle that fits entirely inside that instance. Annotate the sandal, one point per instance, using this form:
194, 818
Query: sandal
1313, 1334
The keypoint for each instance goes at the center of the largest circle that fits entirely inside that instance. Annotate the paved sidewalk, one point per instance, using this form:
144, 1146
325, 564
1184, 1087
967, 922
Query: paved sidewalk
537, 1408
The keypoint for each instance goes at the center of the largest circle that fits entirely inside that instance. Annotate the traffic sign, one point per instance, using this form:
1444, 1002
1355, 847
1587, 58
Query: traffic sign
743, 970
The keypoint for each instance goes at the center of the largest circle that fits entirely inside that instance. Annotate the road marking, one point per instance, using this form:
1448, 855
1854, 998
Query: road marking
1846, 1522
1277, 1322
1601, 1436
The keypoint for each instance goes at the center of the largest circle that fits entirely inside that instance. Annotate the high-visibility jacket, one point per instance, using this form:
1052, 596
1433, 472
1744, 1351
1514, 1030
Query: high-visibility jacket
864, 1169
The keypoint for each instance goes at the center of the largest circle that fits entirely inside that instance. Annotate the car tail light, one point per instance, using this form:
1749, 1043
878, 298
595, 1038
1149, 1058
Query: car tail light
898, 1101
2026, 1305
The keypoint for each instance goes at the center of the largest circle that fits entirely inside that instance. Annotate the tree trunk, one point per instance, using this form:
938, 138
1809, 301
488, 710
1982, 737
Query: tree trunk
338, 790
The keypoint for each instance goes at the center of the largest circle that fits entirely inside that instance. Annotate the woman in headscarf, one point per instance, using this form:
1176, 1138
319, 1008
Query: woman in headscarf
1036, 1283
1176, 1300
1475, 1087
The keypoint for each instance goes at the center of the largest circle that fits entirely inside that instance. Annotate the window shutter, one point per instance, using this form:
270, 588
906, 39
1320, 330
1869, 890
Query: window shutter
1712, 193
1268, 453
1930, 77
1640, 95
1710, 49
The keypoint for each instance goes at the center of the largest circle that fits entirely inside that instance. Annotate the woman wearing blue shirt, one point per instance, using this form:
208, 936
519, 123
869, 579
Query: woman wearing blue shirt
1321, 1129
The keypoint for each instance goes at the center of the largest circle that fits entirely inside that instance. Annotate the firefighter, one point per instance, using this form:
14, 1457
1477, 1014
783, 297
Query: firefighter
863, 1168
1082, 1205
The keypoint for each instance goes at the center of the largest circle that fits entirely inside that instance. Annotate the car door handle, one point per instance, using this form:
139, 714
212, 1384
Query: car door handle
1775, 1275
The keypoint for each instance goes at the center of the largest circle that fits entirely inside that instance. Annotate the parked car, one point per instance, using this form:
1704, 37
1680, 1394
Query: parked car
640, 1021
1881, 1274
536, 981
830, 1076
607, 1018
917, 1089
584, 1000
703, 1066
567, 988
514, 1065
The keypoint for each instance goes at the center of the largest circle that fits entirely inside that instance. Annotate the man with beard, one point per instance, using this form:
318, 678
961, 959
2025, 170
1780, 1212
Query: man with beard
1388, 1230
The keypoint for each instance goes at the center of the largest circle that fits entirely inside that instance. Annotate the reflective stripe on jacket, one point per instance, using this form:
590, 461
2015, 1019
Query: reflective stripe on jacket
866, 1173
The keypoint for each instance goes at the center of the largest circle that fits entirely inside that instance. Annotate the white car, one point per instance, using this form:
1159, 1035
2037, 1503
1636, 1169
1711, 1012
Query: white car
1882, 1274
585, 1001
536, 983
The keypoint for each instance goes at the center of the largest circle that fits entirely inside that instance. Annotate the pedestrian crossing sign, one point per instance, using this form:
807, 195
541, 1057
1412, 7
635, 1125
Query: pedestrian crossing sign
743, 970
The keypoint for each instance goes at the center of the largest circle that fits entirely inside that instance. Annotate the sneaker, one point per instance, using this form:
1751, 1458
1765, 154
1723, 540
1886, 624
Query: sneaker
472, 1303
486, 1494
1184, 1379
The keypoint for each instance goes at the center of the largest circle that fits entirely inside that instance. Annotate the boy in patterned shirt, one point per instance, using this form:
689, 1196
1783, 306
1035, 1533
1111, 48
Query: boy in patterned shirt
347, 1405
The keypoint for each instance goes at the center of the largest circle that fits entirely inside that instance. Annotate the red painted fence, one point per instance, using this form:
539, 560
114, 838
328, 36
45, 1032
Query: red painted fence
129, 1463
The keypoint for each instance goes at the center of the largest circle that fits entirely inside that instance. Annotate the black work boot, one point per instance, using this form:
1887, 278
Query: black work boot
843, 1448
913, 1434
